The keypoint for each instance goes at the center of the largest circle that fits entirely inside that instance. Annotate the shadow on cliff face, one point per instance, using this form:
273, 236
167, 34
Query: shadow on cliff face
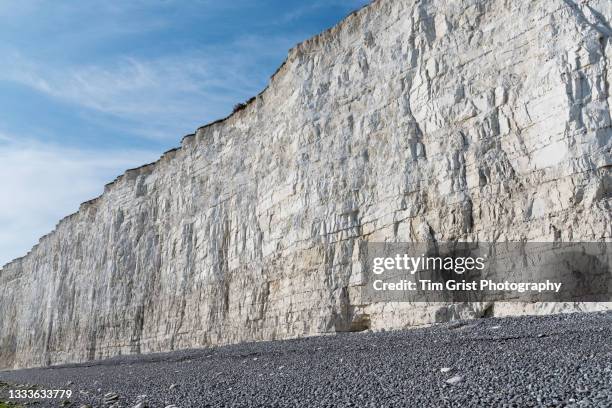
8, 351
585, 277
584, 274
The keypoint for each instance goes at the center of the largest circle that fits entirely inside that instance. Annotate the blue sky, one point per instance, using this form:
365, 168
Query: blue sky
91, 88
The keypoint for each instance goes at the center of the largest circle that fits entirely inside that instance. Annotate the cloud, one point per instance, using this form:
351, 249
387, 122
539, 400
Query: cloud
41, 183
159, 93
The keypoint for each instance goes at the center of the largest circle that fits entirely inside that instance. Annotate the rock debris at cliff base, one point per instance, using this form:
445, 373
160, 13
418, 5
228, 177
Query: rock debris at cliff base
562, 360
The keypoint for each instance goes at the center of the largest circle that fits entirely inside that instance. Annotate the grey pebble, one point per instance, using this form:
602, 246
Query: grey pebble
411, 364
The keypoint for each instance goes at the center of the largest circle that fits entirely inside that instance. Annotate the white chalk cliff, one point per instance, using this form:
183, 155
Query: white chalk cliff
409, 120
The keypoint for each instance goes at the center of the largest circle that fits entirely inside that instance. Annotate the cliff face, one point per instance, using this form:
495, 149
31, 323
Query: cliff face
410, 120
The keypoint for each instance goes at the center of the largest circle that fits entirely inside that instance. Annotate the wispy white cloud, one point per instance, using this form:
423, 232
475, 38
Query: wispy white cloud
41, 183
159, 93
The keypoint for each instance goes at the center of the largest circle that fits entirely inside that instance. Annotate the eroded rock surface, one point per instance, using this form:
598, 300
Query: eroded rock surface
410, 120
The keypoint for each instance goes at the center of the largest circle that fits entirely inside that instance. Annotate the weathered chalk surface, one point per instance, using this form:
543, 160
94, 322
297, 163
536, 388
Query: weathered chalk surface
544, 361
409, 120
